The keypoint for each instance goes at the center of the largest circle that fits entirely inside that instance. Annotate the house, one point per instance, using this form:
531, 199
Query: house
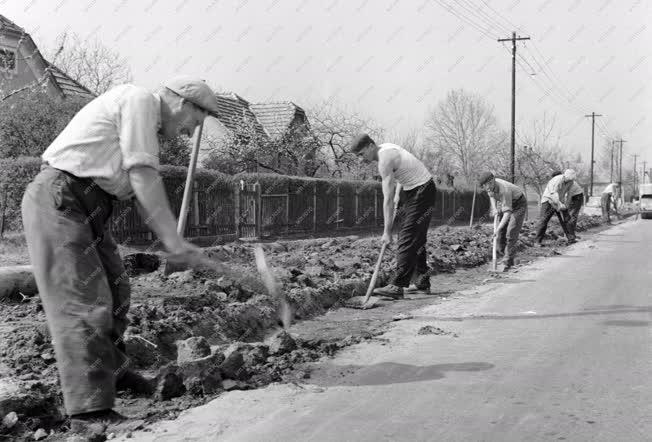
22, 65
280, 121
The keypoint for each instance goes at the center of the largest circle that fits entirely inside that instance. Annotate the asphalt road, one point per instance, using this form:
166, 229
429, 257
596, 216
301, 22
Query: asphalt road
562, 350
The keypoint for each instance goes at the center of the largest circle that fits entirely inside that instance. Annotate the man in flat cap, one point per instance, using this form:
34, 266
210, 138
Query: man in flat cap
509, 203
552, 201
404, 179
109, 151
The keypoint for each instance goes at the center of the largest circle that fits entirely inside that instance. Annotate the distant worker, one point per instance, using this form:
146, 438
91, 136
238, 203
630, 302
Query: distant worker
508, 201
608, 200
574, 203
551, 202
406, 180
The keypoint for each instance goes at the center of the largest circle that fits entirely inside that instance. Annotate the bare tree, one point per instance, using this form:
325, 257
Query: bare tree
462, 133
333, 128
91, 63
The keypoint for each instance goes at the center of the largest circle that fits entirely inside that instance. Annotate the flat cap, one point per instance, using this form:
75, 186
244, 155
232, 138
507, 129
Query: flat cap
486, 176
569, 174
194, 90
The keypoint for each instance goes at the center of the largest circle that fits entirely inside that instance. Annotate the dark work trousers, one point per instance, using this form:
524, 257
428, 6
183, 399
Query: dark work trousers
545, 213
416, 209
82, 283
605, 202
508, 237
572, 213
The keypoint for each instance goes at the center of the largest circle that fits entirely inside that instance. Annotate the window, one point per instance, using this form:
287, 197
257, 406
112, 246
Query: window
7, 60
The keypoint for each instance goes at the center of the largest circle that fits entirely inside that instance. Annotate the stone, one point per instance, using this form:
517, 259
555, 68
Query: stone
276, 247
282, 343
314, 270
182, 277
48, 357
230, 384
40, 434
456, 247
402, 317
10, 419
192, 348
225, 283
169, 383
233, 366
202, 376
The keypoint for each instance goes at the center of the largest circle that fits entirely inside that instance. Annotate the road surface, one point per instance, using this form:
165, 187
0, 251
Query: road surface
560, 351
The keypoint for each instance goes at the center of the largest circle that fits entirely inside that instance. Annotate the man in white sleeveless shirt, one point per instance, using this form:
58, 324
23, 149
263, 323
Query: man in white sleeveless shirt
407, 180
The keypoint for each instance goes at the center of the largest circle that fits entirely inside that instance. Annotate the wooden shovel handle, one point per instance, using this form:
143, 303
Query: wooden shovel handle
374, 277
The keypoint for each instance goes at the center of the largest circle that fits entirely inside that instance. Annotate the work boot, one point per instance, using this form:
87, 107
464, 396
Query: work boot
418, 289
134, 382
390, 291
92, 426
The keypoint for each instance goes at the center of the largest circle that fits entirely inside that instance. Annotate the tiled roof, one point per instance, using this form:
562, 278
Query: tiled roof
5, 23
68, 85
233, 109
276, 117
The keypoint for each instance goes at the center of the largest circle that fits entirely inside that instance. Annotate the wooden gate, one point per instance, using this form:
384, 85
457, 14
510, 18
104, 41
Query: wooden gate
249, 210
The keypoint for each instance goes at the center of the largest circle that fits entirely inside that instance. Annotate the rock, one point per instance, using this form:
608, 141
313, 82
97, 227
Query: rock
401, 317
456, 247
224, 283
169, 383
233, 366
192, 348
182, 277
10, 420
276, 247
282, 343
40, 434
141, 352
202, 376
48, 357
314, 270
431, 330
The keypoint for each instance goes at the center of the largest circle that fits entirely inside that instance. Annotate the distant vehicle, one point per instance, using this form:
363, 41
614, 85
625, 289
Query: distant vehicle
645, 200
593, 207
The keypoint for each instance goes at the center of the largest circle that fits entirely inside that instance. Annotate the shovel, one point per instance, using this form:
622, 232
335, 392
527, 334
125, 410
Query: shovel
494, 252
272, 286
363, 302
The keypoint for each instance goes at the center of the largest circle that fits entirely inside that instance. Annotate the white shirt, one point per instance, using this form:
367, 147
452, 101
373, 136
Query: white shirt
556, 190
110, 135
410, 172
611, 188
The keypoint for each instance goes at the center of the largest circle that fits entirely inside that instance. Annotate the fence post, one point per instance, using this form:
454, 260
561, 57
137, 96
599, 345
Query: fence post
314, 207
475, 187
236, 209
442, 206
287, 208
356, 202
5, 191
375, 206
454, 202
195, 205
337, 205
258, 210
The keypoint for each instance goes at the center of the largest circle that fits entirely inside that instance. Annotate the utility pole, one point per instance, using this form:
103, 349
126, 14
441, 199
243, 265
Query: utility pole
593, 115
611, 168
635, 173
513, 39
620, 160
644, 170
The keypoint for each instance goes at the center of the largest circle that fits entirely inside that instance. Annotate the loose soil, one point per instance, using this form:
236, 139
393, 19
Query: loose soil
317, 277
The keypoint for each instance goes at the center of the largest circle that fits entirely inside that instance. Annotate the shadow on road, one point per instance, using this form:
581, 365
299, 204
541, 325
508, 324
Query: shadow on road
386, 373
592, 312
627, 323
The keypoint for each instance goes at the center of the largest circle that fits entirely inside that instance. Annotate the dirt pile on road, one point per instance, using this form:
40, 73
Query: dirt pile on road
196, 334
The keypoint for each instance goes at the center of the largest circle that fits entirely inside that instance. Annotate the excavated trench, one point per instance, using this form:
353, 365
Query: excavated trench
195, 334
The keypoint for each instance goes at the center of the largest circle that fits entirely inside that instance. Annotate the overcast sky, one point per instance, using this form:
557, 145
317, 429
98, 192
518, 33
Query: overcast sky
391, 60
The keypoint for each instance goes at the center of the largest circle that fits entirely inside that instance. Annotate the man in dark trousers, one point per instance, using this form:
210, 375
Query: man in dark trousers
608, 200
404, 179
574, 203
109, 151
508, 201
551, 202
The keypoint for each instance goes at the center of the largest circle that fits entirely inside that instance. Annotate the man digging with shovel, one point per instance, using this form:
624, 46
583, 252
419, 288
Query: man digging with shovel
508, 202
108, 151
407, 180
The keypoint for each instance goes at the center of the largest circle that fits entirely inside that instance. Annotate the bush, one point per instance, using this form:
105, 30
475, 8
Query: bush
15, 174
31, 122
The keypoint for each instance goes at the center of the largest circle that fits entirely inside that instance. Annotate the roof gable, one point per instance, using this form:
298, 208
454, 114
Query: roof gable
233, 110
276, 118
68, 86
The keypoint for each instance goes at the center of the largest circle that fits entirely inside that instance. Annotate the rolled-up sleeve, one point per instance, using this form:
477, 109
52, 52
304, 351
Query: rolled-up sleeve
139, 122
